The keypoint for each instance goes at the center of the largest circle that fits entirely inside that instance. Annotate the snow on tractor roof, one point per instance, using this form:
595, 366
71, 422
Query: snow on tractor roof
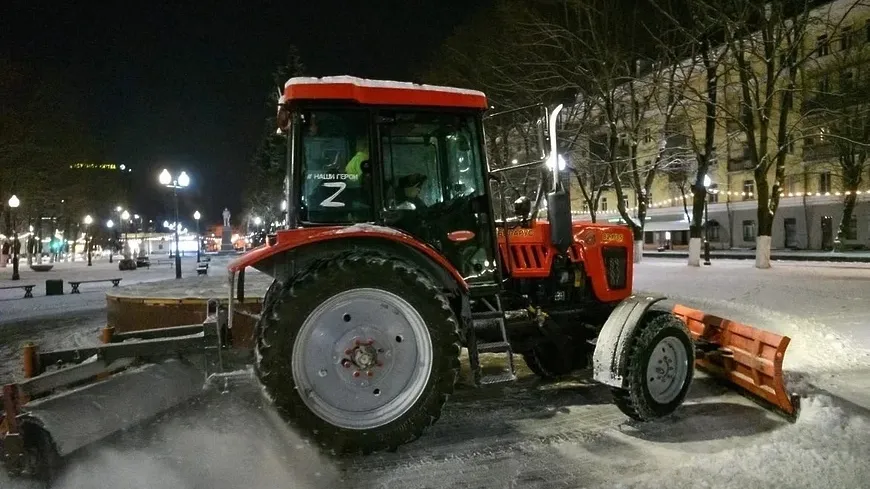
380, 92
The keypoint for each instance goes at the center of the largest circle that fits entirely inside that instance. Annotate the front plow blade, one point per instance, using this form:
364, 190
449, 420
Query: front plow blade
748, 357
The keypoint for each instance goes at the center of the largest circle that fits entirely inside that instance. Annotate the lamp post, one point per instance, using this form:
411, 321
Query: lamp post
110, 225
13, 204
125, 223
181, 181
88, 221
196, 216
707, 183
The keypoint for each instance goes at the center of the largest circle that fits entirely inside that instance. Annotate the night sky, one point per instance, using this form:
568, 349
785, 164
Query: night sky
183, 84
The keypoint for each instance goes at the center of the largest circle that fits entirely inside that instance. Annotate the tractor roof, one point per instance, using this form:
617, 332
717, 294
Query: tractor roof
380, 92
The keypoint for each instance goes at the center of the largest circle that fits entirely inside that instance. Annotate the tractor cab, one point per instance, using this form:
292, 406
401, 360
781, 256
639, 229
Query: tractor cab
408, 157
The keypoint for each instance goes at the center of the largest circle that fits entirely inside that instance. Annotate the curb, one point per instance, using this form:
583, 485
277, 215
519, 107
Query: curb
773, 257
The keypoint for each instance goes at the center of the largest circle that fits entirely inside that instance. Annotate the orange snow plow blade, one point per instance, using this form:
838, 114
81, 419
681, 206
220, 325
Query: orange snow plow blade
748, 357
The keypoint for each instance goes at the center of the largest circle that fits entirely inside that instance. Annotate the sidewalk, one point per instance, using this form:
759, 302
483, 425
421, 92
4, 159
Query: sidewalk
13, 306
784, 255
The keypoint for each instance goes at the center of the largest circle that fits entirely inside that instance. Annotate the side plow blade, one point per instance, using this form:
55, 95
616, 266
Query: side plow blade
747, 357
97, 391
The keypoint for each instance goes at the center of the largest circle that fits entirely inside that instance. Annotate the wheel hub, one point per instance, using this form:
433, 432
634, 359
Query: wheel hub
363, 357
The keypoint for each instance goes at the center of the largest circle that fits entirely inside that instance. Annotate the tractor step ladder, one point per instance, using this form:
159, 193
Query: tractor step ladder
494, 316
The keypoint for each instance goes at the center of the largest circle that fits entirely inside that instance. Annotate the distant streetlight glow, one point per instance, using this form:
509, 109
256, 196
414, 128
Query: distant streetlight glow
118, 209
197, 215
166, 224
89, 219
109, 224
258, 221
14, 202
125, 215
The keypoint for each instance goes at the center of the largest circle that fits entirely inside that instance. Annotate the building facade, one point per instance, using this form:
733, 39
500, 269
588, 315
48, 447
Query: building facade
817, 181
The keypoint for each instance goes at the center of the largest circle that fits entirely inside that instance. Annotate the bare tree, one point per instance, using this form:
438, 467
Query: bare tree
766, 42
611, 59
837, 119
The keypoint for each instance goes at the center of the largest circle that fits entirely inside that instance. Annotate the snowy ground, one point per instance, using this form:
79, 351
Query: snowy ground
535, 435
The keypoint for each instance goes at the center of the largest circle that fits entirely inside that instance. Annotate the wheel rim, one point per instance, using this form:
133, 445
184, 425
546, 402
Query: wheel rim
666, 370
362, 358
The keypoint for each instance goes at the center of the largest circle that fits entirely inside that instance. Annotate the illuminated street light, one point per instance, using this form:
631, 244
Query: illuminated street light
88, 221
125, 215
109, 224
258, 220
181, 181
13, 204
196, 216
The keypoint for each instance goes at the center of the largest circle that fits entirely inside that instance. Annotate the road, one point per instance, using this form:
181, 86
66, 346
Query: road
536, 435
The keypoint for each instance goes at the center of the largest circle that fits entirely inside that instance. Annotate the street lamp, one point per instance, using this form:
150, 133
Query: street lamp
125, 224
88, 221
181, 181
707, 183
13, 204
196, 216
110, 225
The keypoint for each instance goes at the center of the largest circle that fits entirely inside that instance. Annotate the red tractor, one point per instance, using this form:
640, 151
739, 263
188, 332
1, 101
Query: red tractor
394, 258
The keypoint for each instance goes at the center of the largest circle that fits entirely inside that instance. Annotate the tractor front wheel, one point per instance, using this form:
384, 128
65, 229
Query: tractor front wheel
360, 351
659, 368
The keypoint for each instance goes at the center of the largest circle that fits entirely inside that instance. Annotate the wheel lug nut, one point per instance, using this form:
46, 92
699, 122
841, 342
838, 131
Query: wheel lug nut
356, 374
370, 373
348, 351
345, 363
371, 341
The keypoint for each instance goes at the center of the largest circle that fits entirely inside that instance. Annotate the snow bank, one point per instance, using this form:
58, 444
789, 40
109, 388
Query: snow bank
827, 447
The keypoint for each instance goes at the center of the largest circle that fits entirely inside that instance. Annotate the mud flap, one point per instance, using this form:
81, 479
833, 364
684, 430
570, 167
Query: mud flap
747, 357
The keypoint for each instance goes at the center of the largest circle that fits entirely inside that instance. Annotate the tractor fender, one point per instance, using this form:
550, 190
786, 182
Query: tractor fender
294, 246
608, 360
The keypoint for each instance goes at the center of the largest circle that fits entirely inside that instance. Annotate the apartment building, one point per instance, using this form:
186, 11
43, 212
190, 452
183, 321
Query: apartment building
816, 183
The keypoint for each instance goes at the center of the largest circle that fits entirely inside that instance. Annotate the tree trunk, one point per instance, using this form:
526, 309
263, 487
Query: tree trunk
848, 210
765, 219
699, 192
696, 229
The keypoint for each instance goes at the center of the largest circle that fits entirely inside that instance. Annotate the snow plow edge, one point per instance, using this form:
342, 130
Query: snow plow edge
748, 357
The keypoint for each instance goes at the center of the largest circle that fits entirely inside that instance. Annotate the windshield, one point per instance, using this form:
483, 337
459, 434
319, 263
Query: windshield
336, 175
426, 158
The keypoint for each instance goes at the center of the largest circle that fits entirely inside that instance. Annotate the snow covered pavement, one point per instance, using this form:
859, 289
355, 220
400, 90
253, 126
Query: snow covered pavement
565, 435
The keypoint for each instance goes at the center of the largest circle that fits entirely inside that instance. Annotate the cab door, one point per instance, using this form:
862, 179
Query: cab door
432, 179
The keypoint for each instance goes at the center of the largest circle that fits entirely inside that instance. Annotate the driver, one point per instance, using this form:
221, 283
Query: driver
410, 186
354, 166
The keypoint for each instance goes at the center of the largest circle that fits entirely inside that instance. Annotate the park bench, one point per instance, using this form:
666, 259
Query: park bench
28, 289
75, 285
202, 268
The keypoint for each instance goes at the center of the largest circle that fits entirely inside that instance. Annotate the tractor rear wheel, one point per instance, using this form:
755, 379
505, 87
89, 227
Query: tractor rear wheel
359, 350
660, 363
